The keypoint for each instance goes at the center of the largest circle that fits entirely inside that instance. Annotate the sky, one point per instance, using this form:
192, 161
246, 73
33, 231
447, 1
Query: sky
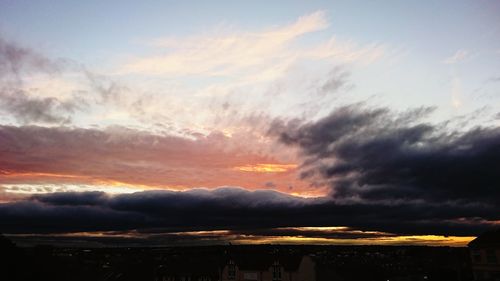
185, 122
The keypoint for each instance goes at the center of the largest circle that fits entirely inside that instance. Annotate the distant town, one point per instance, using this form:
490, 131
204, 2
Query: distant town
480, 261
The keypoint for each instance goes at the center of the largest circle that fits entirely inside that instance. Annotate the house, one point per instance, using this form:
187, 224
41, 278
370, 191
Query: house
254, 266
485, 256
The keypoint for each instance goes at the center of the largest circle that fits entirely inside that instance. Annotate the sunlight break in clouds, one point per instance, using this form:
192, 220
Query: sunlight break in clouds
267, 168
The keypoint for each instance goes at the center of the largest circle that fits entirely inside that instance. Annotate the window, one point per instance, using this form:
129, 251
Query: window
231, 271
250, 276
476, 256
276, 271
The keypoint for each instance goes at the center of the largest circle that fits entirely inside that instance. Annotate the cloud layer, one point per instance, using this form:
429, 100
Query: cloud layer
373, 154
389, 173
114, 156
236, 134
233, 211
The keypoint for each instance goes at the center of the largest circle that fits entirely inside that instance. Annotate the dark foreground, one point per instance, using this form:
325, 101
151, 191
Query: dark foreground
250, 262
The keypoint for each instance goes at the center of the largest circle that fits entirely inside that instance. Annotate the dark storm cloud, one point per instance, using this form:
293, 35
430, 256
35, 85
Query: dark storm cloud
92, 198
395, 172
234, 209
376, 155
93, 211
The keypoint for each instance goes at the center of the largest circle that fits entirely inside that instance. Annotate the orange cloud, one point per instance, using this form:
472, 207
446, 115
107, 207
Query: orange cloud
428, 240
266, 168
128, 158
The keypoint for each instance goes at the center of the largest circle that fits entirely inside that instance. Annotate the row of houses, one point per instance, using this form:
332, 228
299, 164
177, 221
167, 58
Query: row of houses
259, 266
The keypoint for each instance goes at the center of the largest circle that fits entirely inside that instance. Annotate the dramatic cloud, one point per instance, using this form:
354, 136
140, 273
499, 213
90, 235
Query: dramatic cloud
236, 211
374, 155
229, 135
389, 173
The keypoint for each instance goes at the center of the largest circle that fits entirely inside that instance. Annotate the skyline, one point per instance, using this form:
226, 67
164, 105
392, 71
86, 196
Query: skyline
250, 123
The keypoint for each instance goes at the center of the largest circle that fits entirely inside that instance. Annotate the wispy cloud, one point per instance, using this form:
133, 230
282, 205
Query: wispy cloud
493, 79
223, 54
15, 63
246, 53
15, 59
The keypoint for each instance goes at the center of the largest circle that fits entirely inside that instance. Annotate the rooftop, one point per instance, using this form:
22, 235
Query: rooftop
487, 239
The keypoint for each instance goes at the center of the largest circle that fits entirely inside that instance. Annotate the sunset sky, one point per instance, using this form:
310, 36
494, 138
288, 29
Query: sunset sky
182, 122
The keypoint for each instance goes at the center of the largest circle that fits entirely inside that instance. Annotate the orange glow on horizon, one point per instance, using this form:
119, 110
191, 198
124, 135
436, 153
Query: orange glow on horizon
422, 240
229, 236
250, 177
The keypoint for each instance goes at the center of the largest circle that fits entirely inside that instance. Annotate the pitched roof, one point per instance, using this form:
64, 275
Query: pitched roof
490, 238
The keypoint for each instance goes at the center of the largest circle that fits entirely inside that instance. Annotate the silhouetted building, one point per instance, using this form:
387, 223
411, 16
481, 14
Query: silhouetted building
485, 256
